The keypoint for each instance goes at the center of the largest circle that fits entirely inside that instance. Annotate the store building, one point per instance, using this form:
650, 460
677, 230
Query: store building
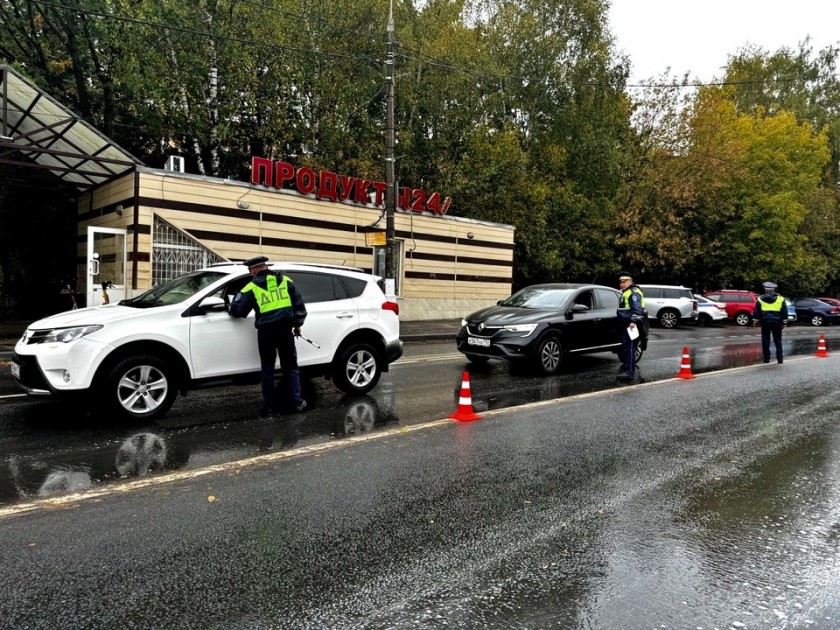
139, 226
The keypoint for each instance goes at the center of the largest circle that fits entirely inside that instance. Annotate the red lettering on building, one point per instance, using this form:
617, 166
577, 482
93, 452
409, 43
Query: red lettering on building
261, 172
380, 188
346, 187
327, 183
335, 187
419, 203
305, 180
285, 173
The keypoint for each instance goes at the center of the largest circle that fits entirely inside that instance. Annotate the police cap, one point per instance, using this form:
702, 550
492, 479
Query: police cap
256, 261
769, 285
625, 275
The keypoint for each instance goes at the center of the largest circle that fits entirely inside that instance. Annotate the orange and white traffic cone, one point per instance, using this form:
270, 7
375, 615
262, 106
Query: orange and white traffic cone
821, 352
465, 411
685, 368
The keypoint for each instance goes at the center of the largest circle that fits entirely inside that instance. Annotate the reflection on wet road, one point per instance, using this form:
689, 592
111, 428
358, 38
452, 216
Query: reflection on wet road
53, 448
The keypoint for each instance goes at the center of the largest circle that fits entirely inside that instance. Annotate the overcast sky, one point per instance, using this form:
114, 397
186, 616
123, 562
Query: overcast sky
696, 36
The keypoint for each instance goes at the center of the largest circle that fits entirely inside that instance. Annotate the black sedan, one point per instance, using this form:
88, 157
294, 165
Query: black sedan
544, 323
816, 312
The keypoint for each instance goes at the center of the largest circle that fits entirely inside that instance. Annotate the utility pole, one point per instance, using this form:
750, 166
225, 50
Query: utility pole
390, 191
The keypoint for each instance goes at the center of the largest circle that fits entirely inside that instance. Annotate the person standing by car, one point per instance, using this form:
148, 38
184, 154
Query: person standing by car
280, 312
771, 311
631, 312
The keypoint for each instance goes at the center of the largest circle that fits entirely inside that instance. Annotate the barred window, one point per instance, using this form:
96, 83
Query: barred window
175, 253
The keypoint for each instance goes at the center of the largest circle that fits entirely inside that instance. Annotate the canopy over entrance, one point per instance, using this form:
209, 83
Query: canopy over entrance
38, 132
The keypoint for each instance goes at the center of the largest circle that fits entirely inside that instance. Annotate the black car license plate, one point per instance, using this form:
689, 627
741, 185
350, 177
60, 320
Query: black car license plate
477, 341
15, 370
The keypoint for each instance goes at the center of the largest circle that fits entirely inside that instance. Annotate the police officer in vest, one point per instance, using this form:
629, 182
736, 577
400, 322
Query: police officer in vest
771, 312
631, 312
280, 312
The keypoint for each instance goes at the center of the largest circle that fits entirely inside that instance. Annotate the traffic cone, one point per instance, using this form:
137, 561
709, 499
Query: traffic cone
465, 411
821, 348
685, 368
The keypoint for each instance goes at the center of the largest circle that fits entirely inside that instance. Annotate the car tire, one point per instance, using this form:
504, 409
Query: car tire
357, 369
142, 387
743, 319
549, 354
817, 320
704, 320
668, 318
639, 353
477, 359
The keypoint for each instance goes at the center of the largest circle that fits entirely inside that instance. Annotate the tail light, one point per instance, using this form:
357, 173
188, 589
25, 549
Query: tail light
720, 307
391, 306
694, 306
835, 310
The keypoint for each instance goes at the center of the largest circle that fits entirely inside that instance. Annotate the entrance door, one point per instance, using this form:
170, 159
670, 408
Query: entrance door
106, 255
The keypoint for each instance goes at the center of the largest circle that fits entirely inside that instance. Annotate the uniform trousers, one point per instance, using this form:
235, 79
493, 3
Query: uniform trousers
775, 329
275, 340
628, 352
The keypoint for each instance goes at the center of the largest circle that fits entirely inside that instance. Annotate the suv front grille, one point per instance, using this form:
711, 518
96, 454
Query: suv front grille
30, 373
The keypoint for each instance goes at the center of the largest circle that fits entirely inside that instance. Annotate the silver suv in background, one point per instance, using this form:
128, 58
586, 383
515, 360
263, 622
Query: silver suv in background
669, 305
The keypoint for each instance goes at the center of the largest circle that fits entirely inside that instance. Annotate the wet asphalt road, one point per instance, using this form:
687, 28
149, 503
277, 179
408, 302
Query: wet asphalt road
707, 503
50, 448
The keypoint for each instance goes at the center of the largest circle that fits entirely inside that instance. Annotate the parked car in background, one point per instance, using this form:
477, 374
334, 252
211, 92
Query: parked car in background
134, 357
830, 300
739, 304
816, 312
791, 309
544, 323
669, 305
709, 311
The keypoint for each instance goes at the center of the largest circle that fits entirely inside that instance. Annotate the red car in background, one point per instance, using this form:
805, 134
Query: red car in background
739, 304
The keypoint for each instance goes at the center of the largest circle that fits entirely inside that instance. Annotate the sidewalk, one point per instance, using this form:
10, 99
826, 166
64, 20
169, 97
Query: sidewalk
410, 332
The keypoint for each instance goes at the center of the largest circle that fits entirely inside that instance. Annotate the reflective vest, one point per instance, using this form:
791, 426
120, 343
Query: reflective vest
273, 297
624, 302
775, 306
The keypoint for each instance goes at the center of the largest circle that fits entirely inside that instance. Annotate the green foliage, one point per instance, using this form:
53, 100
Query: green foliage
515, 109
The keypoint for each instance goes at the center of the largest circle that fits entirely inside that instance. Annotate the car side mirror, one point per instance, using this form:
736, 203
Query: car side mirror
212, 304
576, 308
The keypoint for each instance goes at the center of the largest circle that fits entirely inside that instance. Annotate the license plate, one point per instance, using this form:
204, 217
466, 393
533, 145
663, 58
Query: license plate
15, 370
475, 341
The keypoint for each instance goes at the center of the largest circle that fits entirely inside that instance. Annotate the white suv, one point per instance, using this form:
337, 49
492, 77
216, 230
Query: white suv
669, 305
136, 355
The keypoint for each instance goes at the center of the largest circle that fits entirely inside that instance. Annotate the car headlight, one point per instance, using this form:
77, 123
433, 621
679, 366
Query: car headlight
524, 329
463, 322
66, 335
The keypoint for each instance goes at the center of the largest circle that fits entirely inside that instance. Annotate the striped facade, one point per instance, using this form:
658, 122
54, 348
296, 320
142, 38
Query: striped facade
449, 266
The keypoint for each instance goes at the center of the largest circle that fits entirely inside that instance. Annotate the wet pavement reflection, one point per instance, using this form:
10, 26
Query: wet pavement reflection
97, 454
57, 448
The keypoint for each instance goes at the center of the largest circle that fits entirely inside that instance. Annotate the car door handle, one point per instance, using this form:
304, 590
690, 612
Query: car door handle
343, 315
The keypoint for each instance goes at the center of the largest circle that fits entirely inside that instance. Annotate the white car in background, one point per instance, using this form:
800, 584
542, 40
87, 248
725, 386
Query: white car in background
669, 305
709, 311
133, 357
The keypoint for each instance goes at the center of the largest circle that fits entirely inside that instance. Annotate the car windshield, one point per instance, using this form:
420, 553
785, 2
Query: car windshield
538, 297
174, 291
